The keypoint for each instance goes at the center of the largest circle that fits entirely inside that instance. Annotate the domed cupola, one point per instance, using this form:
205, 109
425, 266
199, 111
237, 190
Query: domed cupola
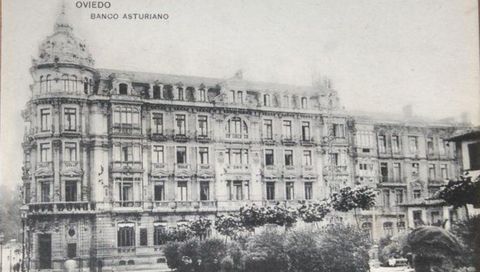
63, 47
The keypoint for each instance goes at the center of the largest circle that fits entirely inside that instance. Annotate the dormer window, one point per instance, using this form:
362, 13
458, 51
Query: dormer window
304, 103
157, 92
41, 84
286, 101
85, 85
201, 94
232, 96
123, 89
266, 100
66, 85
180, 94
240, 97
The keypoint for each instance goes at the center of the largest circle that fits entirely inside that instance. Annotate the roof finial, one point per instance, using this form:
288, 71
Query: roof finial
62, 23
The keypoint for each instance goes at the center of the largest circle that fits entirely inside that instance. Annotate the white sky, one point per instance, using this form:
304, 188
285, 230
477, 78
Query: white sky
381, 55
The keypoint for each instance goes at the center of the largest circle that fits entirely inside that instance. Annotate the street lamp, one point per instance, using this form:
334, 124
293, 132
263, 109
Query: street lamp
1, 250
23, 215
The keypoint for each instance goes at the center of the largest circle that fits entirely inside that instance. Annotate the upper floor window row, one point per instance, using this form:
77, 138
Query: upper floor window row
69, 121
236, 128
66, 83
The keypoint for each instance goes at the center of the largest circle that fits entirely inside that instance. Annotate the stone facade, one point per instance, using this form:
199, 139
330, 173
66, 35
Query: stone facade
112, 155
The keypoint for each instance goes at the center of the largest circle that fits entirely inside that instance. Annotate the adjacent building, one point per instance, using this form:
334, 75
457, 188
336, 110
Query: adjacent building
112, 157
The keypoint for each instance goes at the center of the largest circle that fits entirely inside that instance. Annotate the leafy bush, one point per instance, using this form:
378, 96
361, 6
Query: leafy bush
468, 234
266, 252
211, 252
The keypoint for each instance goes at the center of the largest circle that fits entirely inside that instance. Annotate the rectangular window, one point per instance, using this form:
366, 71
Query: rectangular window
143, 237
45, 120
306, 131
181, 155
444, 170
307, 157
396, 172
238, 190
413, 144
289, 190
237, 156
430, 146
334, 159
269, 157
384, 171
240, 97
270, 190
288, 157
182, 191
126, 117
399, 196
45, 152
204, 190
70, 190
157, 123
125, 191
268, 129
157, 154
395, 144
417, 194
474, 156
159, 191
71, 250
45, 191
202, 126
70, 119
386, 198
308, 190
287, 129
201, 95
181, 95
70, 152
338, 130
126, 236
431, 172
159, 237
180, 124
442, 147
203, 155
382, 144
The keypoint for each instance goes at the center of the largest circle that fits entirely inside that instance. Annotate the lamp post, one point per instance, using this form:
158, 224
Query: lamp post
23, 215
1, 250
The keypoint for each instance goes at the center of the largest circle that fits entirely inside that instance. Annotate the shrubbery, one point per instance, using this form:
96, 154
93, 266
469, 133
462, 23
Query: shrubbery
333, 248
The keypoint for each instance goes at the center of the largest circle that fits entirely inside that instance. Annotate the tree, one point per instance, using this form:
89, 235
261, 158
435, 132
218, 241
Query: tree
468, 234
348, 199
314, 212
460, 193
228, 225
200, 227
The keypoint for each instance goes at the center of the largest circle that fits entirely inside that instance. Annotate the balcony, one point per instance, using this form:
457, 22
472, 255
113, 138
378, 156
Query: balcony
71, 168
183, 170
335, 170
204, 137
307, 142
159, 170
238, 136
61, 208
237, 168
126, 129
268, 141
163, 206
391, 182
205, 170
127, 166
127, 204
181, 138
288, 141
158, 137
44, 169
435, 182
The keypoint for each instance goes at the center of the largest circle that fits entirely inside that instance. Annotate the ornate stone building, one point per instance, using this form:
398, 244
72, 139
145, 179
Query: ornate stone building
113, 157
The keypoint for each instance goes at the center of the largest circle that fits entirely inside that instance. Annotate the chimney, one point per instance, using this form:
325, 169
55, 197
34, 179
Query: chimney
407, 111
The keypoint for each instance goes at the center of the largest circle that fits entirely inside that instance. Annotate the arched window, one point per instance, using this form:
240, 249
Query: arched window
41, 84
74, 83
157, 92
85, 85
168, 92
123, 89
48, 84
286, 101
180, 94
66, 85
266, 100
90, 85
201, 95
304, 103
236, 128
126, 235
